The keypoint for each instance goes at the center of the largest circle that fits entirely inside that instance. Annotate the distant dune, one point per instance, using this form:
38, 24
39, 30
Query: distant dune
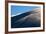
28, 19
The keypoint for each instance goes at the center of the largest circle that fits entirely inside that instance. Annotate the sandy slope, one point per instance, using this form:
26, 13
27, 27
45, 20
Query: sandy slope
31, 20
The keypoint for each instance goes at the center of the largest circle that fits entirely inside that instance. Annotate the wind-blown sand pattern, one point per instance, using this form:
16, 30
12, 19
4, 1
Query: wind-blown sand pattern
28, 19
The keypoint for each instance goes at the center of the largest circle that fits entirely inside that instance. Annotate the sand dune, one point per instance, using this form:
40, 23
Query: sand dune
30, 20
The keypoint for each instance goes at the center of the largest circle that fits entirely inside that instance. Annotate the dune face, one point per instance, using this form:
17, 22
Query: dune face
28, 19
